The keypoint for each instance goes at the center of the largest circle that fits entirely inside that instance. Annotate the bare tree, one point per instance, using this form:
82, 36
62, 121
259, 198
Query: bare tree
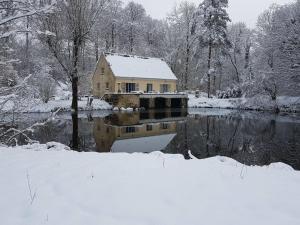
71, 23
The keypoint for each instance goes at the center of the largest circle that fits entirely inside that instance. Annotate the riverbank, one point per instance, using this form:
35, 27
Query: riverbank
48, 184
37, 106
261, 103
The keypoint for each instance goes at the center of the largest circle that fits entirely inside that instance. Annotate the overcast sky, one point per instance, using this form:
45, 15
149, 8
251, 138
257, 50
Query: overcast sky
239, 10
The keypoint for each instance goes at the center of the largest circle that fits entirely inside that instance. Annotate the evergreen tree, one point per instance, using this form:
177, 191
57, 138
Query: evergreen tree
213, 19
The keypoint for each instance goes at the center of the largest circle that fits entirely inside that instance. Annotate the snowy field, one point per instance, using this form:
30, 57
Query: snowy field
36, 106
285, 104
48, 185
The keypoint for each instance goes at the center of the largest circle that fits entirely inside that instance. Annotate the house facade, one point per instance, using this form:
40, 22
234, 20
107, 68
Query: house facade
117, 73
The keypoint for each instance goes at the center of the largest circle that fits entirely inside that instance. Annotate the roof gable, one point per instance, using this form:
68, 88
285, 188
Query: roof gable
126, 66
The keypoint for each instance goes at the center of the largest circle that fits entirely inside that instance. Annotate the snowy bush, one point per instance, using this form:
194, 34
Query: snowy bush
46, 89
235, 92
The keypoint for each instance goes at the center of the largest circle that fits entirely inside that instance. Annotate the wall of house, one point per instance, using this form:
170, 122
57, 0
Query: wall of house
103, 79
105, 135
142, 84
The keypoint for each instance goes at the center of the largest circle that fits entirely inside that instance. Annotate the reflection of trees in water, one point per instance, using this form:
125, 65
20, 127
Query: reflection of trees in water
61, 130
256, 139
250, 141
56, 130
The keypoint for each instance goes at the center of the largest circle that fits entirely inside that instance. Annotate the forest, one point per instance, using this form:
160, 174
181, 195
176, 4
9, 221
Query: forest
46, 43
222, 146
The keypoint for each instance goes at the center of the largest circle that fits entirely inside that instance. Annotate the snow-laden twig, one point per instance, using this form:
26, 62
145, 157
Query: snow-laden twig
31, 11
17, 132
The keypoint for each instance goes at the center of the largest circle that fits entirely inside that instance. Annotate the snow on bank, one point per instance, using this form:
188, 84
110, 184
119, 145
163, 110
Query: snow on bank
40, 185
204, 102
284, 103
36, 106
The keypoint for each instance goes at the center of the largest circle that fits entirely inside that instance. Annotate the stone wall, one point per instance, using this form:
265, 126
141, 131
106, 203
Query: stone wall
123, 100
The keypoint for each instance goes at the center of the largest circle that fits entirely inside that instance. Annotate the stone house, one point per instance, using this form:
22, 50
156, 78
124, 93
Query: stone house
116, 73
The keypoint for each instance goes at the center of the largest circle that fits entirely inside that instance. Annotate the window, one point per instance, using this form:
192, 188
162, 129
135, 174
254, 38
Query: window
149, 127
164, 126
98, 86
149, 88
102, 70
130, 130
130, 87
107, 86
164, 88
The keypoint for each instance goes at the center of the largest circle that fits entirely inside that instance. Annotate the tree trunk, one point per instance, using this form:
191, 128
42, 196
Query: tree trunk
207, 134
97, 50
186, 142
27, 68
221, 76
235, 68
75, 95
247, 56
74, 75
113, 36
83, 56
209, 67
75, 136
187, 62
74, 79
131, 39
214, 84
107, 45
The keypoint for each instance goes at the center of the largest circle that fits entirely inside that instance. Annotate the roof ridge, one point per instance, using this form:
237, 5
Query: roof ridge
131, 56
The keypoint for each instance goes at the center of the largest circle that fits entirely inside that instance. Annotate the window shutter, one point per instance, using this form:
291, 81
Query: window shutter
137, 86
161, 88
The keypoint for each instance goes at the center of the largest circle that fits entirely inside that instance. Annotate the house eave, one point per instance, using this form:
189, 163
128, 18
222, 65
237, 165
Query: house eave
143, 78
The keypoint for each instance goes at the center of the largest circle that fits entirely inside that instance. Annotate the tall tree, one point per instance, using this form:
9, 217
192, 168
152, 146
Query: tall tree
182, 41
71, 23
239, 54
213, 18
134, 15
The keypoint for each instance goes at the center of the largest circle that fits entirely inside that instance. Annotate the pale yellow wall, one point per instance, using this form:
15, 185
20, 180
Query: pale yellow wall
141, 131
105, 135
143, 84
113, 81
108, 77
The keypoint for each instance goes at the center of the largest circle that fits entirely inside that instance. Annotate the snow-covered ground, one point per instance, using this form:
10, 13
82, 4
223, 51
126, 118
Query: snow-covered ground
48, 184
37, 106
285, 103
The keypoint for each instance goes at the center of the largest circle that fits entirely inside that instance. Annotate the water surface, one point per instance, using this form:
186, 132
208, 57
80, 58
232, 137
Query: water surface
252, 138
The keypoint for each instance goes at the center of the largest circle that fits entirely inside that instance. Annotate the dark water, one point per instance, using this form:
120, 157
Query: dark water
251, 138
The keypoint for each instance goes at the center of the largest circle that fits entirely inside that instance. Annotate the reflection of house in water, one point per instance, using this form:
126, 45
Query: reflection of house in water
136, 132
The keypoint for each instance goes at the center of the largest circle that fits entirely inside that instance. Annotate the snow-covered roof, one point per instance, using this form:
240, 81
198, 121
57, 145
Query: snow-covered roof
126, 66
144, 144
